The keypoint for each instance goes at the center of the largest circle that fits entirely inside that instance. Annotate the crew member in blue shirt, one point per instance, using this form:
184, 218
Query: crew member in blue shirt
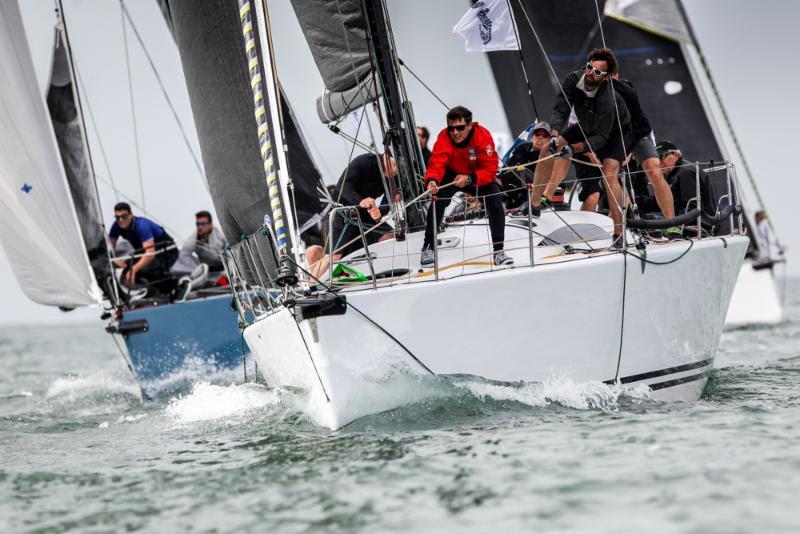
154, 246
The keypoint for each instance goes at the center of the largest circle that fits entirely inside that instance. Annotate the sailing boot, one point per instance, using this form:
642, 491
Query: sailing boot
427, 258
501, 258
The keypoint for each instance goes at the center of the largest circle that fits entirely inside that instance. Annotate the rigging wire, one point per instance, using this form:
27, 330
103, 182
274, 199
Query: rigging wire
171, 106
132, 100
88, 105
623, 235
610, 81
522, 59
431, 91
365, 316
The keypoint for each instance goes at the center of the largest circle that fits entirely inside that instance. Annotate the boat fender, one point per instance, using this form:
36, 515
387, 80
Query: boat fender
318, 306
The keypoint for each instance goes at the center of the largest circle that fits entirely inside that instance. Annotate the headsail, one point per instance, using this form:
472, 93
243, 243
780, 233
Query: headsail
63, 105
38, 224
210, 42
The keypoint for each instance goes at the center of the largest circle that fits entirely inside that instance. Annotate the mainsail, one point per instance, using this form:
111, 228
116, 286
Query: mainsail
39, 227
209, 38
63, 106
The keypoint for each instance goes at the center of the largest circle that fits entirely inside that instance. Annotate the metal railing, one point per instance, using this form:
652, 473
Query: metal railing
252, 264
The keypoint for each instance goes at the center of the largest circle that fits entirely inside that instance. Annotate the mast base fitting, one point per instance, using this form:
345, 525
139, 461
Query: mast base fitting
287, 276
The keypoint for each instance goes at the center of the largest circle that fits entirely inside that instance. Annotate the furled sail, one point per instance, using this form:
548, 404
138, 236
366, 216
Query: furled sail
38, 225
209, 38
62, 103
337, 37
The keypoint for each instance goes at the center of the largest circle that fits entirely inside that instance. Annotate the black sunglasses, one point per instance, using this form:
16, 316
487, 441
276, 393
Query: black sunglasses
202, 223
122, 217
457, 128
595, 70
665, 154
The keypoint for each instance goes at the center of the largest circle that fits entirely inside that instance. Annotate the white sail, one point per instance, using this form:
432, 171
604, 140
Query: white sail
38, 225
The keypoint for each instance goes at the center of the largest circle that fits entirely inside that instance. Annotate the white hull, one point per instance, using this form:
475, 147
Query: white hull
756, 299
560, 318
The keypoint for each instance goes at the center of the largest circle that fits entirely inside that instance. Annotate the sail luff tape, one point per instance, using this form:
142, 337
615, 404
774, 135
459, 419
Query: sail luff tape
260, 113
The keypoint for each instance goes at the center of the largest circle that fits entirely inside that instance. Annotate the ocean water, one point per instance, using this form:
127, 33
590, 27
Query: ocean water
79, 450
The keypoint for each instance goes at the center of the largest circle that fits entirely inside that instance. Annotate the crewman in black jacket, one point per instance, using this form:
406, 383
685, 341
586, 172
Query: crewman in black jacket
603, 123
680, 176
360, 185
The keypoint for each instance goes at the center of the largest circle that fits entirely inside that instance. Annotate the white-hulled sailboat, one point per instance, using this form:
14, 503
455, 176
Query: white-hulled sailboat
651, 314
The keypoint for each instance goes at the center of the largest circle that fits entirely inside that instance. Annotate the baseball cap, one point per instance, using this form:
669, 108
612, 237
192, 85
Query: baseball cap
665, 146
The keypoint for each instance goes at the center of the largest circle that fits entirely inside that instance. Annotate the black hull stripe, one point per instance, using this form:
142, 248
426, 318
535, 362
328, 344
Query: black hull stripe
678, 381
662, 372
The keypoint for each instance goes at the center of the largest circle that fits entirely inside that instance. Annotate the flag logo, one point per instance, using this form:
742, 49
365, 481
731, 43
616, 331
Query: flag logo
487, 26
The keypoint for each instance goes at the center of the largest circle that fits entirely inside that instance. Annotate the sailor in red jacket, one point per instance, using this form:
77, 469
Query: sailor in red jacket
464, 154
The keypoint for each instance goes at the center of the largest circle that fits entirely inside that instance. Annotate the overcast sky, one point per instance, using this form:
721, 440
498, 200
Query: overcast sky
749, 46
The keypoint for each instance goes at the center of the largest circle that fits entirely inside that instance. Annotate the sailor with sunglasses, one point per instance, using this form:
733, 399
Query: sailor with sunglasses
601, 126
154, 249
464, 155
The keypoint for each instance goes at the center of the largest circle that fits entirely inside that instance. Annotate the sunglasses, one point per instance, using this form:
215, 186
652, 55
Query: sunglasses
122, 217
541, 133
202, 224
595, 70
458, 128
665, 154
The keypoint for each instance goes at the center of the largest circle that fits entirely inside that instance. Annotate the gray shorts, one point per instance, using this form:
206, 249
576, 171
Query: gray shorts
644, 149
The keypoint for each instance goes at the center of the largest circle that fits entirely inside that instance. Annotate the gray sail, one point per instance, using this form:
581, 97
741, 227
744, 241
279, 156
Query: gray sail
62, 104
337, 37
208, 34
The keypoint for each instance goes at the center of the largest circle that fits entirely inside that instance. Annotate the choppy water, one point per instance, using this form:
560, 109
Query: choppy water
80, 450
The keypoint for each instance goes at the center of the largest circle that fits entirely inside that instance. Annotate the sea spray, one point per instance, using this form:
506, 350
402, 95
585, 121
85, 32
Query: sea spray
208, 402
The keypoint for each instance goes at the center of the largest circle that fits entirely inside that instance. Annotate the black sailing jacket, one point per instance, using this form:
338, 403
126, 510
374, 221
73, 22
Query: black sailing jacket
597, 116
640, 124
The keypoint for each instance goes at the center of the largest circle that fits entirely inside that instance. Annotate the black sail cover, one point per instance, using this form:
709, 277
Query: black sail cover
208, 35
73, 147
337, 37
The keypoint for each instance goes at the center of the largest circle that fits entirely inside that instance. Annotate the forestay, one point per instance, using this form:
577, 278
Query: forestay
38, 224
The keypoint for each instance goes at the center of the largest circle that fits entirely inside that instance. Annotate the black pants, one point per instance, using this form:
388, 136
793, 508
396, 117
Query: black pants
157, 273
493, 202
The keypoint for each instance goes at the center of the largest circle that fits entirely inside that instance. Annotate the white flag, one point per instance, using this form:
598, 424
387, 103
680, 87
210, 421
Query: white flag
488, 26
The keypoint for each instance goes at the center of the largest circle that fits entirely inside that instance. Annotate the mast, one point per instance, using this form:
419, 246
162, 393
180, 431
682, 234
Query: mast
273, 97
401, 134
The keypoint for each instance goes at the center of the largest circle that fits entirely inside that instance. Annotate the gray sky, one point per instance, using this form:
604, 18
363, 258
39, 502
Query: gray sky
746, 43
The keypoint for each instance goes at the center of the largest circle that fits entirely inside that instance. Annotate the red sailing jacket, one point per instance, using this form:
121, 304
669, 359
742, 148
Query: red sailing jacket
477, 157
